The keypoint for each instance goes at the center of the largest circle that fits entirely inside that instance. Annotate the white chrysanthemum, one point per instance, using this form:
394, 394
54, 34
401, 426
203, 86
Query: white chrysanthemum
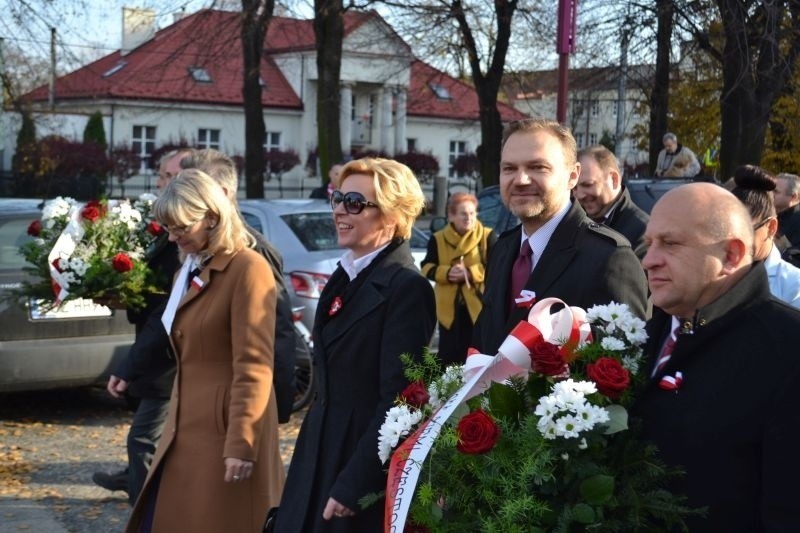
398, 423
582, 445
38, 241
450, 381
58, 207
78, 266
636, 334
568, 427
612, 344
147, 198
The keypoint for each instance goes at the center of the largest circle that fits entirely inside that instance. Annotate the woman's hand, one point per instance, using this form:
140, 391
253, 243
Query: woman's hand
237, 470
459, 274
116, 386
336, 509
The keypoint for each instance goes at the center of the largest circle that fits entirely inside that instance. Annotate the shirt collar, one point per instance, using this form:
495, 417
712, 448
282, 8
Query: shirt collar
352, 266
538, 241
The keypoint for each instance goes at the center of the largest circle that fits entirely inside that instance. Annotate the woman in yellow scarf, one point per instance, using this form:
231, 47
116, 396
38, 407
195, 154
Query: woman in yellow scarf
456, 261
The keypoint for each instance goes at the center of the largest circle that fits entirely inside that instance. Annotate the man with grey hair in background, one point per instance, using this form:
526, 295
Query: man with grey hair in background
675, 160
605, 198
787, 204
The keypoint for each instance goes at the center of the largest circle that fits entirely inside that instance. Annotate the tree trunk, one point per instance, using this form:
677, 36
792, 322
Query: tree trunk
487, 85
256, 15
329, 33
757, 62
659, 97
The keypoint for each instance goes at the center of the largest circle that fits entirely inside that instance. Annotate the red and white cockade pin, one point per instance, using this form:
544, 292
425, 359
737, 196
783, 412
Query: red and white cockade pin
336, 305
672, 383
198, 283
526, 299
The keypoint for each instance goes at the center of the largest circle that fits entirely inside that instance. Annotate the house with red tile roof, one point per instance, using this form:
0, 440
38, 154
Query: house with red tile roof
184, 82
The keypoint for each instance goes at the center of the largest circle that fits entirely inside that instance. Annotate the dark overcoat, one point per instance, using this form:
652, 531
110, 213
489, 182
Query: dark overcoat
222, 405
734, 424
629, 219
358, 375
583, 264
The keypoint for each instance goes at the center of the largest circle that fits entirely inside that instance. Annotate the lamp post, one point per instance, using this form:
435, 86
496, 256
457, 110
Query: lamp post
565, 45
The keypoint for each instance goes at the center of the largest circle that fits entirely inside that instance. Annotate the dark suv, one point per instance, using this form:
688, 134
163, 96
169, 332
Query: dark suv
78, 344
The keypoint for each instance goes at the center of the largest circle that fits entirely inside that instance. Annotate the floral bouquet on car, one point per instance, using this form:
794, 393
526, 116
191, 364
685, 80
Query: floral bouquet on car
535, 438
95, 250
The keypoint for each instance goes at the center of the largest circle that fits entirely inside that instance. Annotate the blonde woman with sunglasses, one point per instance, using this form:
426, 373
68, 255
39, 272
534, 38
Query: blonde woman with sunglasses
375, 307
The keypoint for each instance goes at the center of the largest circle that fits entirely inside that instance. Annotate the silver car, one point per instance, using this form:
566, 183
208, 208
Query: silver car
304, 233
77, 344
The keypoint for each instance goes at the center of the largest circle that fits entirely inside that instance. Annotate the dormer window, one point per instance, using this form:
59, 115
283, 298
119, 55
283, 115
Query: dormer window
440, 91
116, 68
200, 74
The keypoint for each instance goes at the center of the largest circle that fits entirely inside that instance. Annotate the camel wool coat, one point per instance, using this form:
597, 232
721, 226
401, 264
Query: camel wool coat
222, 405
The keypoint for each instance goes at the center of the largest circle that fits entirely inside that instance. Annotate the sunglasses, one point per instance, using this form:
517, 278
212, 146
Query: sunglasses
354, 202
761, 224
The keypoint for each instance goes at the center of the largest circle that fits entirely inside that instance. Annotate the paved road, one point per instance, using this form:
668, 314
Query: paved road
50, 443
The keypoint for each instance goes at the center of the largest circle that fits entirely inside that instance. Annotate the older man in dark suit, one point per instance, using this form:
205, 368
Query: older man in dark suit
557, 251
722, 400
605, 199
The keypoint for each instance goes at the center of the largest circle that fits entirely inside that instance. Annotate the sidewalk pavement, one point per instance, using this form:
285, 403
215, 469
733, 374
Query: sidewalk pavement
26, 515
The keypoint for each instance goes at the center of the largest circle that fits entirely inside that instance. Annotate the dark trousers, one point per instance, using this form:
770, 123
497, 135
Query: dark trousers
146, 428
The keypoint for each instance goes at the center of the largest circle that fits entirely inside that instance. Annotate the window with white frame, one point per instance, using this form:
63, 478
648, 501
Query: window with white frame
272, 141
595, 108
592, 139
579, 139
614, 108
143, 143
208, 138
457, 148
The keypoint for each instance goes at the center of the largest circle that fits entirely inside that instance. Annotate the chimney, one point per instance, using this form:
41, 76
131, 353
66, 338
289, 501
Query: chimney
138, 26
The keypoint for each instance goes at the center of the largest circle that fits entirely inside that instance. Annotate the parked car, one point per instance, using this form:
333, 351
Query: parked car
76, 344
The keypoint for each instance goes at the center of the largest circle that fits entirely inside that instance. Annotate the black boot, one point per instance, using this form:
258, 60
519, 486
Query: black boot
115, 481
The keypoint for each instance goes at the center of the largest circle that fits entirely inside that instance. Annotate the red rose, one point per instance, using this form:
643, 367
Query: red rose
477, 433
100, 206
610, 376
55, 264
90, 213
546, 359
122, 263
415, 394
35, 228
154, 229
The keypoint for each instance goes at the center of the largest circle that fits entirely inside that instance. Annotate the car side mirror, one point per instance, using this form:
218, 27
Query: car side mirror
437, 223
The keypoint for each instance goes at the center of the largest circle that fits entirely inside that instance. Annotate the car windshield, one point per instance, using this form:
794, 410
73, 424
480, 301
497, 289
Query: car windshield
315, 230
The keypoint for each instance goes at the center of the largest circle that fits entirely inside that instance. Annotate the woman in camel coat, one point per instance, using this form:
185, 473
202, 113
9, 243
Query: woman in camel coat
217, 466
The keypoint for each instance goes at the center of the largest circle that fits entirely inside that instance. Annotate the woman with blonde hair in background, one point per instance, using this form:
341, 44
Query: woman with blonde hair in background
456, 261
375, 307
218, 465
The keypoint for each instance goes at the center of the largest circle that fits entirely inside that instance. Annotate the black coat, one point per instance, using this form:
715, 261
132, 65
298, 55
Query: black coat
358, 374
150, 353
584, 264
628, 219
153, 380
734, 425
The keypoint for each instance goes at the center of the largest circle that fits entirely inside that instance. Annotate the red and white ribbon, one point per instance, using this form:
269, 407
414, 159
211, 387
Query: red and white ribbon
526, 299
62, 249
513, 359
671, 383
